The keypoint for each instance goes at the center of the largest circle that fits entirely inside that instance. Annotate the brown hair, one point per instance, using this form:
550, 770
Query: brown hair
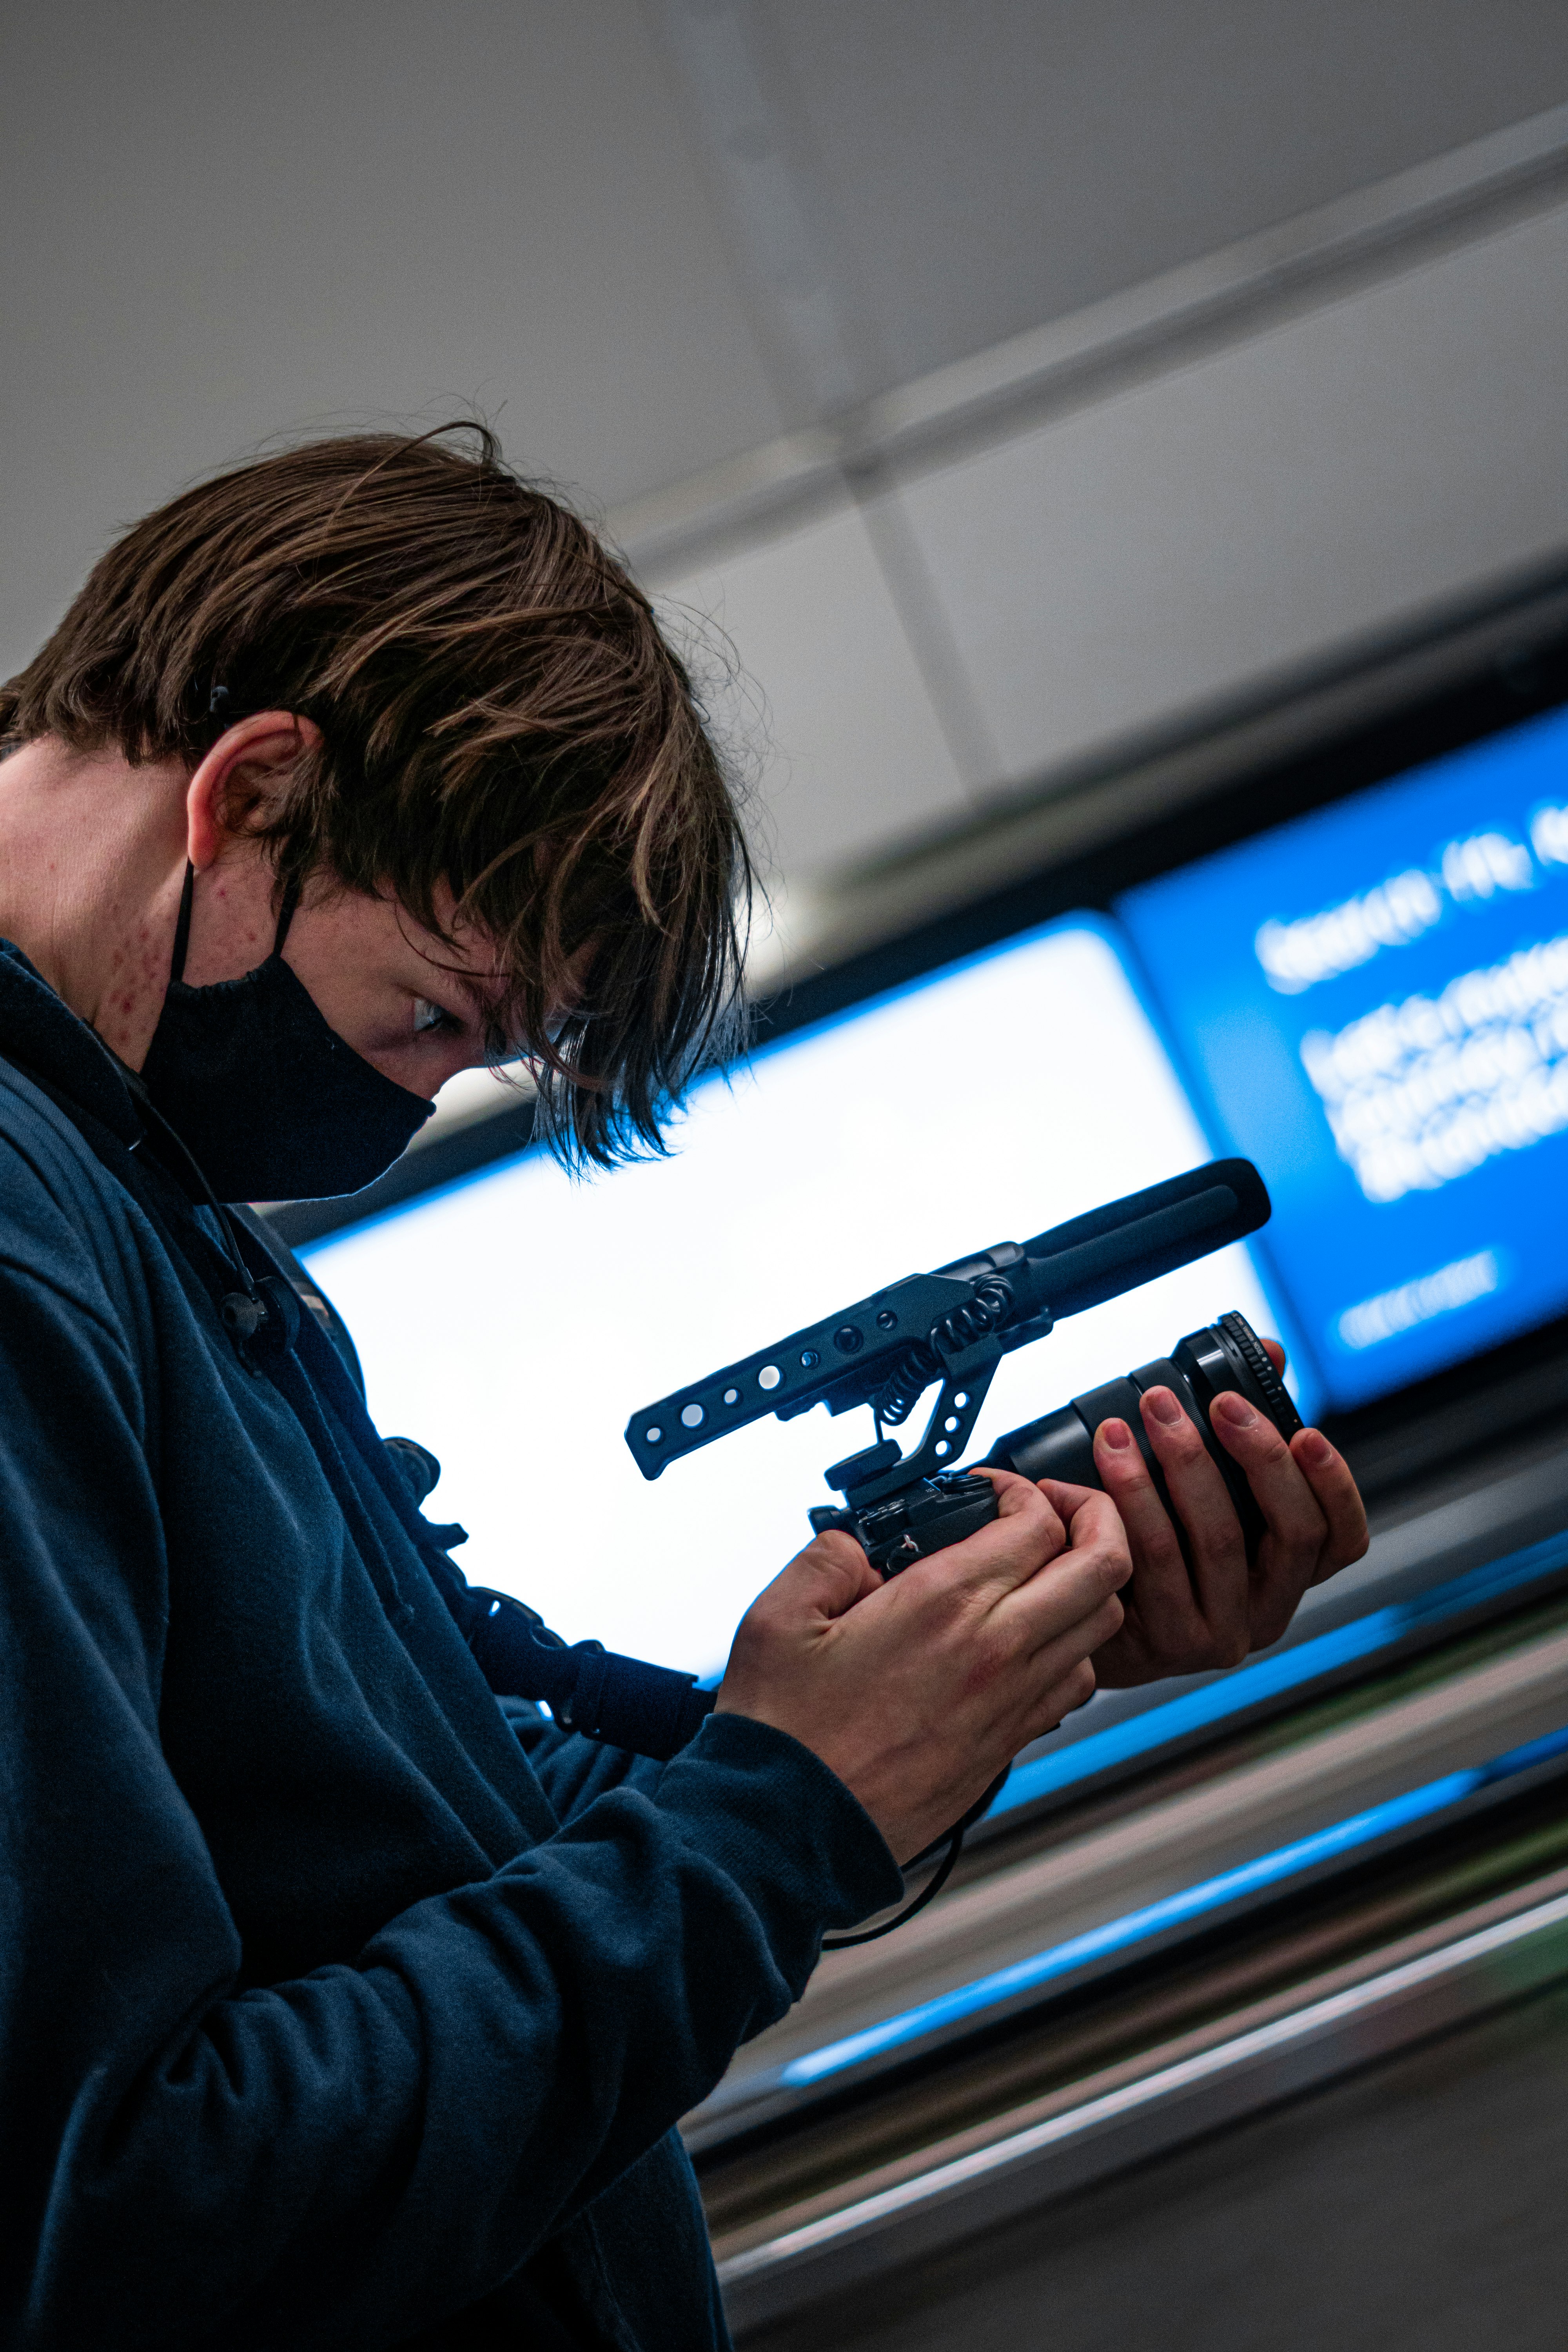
498, 711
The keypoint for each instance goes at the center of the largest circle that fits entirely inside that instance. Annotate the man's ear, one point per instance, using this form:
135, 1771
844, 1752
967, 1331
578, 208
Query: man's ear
245, 766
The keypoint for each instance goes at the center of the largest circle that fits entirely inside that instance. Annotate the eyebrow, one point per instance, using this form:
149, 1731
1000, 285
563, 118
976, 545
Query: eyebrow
482, 992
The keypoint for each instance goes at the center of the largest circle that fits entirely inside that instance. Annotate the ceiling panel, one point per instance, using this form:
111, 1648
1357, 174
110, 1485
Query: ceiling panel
1251, 510
994, 165
223, 222
828, 699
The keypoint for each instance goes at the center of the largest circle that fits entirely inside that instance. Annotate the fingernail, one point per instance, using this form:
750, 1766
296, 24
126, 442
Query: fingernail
1233, 1409
1314, 1448
1162, 1405
1116, 1434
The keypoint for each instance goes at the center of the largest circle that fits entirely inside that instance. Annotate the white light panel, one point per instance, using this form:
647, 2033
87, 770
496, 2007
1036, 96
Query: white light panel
515, 1323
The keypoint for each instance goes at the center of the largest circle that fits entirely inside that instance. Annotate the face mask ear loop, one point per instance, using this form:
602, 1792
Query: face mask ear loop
286, 914
183, 928
150, 1108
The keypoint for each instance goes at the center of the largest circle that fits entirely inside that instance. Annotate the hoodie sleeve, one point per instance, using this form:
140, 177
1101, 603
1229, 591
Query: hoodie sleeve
574, 1771
194, 2160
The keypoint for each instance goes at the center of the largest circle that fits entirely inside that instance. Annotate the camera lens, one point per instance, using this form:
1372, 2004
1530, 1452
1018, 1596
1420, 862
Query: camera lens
1226, 1354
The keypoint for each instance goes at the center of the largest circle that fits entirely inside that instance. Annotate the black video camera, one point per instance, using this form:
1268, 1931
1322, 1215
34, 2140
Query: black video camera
955, 1326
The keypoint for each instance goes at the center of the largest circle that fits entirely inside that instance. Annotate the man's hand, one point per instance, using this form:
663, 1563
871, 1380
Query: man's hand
1181, 1621
917, 1691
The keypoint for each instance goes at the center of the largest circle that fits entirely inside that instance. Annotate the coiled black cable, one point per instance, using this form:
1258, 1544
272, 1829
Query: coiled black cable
987, 1308
935, 1883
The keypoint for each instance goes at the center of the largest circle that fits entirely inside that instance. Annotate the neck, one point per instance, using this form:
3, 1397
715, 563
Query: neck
92, 855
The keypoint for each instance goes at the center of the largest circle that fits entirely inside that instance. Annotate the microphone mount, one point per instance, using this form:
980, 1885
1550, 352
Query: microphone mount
953, 1326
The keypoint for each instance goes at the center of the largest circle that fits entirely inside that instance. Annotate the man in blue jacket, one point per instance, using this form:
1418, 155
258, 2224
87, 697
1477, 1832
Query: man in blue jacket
343, 2001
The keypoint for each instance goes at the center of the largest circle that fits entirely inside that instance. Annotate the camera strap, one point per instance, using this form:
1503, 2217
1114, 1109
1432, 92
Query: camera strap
624, 1702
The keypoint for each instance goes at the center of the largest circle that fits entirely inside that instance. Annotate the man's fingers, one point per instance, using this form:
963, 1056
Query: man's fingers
1327, 1475
1166, 1602
1285, 1497
1059, 1700
1163, 1579
1218, 1577
1007, 1552
1059, 1676
1016, 1499
1080, 1687
1293, 1550
1065, 1499
824, 1580
1095, 1525
1275, 1353
1074, 1604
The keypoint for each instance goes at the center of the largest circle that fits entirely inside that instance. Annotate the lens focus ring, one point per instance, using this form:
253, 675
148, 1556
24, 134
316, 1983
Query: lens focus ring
1276, 1396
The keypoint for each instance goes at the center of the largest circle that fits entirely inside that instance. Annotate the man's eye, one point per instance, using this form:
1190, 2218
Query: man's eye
432, 1016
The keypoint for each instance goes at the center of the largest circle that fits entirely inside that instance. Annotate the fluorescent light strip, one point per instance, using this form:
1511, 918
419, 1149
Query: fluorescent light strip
1235, 1694
1210, 1895
1353, 2008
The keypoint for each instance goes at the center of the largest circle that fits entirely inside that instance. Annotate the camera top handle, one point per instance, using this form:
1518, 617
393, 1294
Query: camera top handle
955, 1324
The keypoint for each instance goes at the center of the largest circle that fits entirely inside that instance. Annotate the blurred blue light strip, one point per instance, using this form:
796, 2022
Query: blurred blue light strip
1174, 1910
1233, 1693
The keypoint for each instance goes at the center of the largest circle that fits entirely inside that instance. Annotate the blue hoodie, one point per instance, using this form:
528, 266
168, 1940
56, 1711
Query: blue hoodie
341, 2004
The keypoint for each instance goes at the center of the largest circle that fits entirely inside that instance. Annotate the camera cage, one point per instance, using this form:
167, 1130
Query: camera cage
953, 1326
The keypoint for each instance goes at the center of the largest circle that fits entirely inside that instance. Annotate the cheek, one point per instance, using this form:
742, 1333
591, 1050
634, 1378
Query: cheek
422, 1065
375, 1023
349, 954
352, 956
360, 1012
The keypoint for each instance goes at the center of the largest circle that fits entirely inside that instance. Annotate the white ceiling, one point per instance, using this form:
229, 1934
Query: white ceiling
1289, 491
225, 221
649, 239
970, 170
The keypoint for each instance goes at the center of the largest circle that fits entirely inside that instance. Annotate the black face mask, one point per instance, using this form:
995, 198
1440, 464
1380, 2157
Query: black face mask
271, 1104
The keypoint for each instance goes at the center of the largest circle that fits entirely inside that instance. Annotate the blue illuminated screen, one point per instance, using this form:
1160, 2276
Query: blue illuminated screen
515, 1323
1371, 1002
